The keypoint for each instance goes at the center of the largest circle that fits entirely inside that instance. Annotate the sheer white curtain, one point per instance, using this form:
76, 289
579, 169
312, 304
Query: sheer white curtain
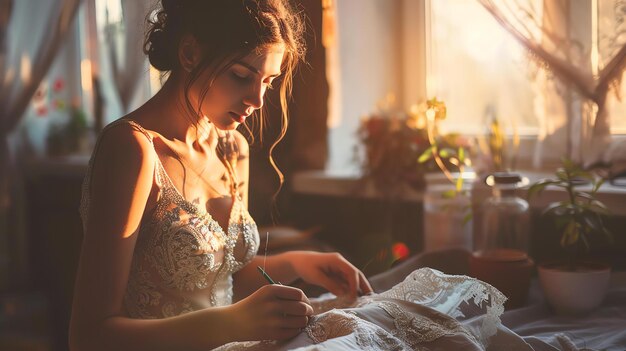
119, 68
31, 32
124, 41
565, 38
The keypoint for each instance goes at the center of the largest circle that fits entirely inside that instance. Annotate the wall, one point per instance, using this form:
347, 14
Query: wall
369, 68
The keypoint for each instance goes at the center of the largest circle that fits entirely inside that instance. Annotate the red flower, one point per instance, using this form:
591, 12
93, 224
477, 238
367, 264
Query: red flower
58, 85
400, 251
42, 111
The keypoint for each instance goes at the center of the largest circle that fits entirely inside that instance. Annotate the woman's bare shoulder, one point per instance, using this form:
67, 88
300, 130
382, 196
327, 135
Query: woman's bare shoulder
121, 179
126, 140
125, 155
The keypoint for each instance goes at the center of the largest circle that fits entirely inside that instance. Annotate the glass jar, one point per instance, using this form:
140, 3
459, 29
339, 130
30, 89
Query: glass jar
505, 216
447, 218
500, 255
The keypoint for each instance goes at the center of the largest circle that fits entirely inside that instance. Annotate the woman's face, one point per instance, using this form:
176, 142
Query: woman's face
238, 92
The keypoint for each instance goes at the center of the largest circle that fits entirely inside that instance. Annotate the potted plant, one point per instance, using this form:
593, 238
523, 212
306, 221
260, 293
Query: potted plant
576, 285
447, 204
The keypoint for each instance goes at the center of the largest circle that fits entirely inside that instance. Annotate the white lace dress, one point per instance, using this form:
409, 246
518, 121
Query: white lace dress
183, 259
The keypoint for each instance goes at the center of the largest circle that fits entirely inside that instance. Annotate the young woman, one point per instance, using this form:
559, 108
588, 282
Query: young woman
169, 251
169, 254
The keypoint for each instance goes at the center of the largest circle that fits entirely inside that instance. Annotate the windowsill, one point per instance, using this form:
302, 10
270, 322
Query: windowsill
348, 184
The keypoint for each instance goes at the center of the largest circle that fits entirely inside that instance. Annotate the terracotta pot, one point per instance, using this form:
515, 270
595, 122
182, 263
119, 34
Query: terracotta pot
574, 292
506, 269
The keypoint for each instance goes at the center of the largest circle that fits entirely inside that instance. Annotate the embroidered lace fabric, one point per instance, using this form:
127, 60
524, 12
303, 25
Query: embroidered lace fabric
427, 310
183, 260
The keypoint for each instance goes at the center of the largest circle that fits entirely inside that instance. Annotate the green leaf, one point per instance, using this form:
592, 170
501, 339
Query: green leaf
599, 207
447, 152
461, 155
592, 224
426, 155
459, 182
570, 235
449, 194
597, 186
539, 186
558, 208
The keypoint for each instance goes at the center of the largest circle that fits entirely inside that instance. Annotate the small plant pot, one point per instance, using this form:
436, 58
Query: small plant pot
507, 269
574, 292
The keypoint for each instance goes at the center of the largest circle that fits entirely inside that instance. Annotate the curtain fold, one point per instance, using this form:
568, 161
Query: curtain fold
549, 30
31, 33
124, 49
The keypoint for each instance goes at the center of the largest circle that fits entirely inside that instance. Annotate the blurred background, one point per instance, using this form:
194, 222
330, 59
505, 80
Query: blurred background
522, 85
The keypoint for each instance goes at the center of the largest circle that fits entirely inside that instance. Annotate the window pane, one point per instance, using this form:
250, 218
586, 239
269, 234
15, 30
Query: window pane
478, 69
612, 36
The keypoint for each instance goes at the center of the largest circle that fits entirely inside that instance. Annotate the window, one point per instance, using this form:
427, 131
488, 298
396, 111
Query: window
477, 68
455, 50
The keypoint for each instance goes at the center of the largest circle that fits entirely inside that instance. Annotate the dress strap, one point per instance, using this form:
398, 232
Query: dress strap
161, 178
140, 128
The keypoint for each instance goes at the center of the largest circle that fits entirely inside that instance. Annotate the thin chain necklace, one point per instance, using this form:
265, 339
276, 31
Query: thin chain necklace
228, 153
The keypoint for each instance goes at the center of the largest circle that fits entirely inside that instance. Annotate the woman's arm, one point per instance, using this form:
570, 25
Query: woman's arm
121, 187
328, 270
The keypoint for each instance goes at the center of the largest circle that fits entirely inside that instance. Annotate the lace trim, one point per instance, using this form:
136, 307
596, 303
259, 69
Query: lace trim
457, 296
417, 329
338, 323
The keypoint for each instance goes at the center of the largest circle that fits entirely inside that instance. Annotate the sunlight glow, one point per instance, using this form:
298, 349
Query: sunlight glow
595, 53
480, 72
85, 75
25, 69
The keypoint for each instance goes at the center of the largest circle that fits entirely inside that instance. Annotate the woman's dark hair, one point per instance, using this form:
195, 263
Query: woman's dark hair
227, 30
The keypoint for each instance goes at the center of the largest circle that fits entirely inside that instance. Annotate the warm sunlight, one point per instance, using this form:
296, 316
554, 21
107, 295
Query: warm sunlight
474, 70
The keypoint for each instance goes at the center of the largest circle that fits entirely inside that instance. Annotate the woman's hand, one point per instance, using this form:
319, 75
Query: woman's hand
274, 312
331, 271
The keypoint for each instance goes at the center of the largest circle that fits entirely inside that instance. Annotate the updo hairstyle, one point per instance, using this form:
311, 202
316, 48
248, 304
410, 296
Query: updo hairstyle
227, 30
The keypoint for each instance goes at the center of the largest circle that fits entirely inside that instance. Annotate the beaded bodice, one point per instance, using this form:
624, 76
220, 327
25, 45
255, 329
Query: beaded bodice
183, 259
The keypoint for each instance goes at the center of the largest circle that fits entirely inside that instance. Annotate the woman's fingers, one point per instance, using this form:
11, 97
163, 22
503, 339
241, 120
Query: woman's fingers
364, 284
293, 308
355, 279
334, 282
288, 293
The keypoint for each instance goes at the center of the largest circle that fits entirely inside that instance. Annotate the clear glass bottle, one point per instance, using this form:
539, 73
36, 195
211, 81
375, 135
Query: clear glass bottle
505, 217
500, 254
